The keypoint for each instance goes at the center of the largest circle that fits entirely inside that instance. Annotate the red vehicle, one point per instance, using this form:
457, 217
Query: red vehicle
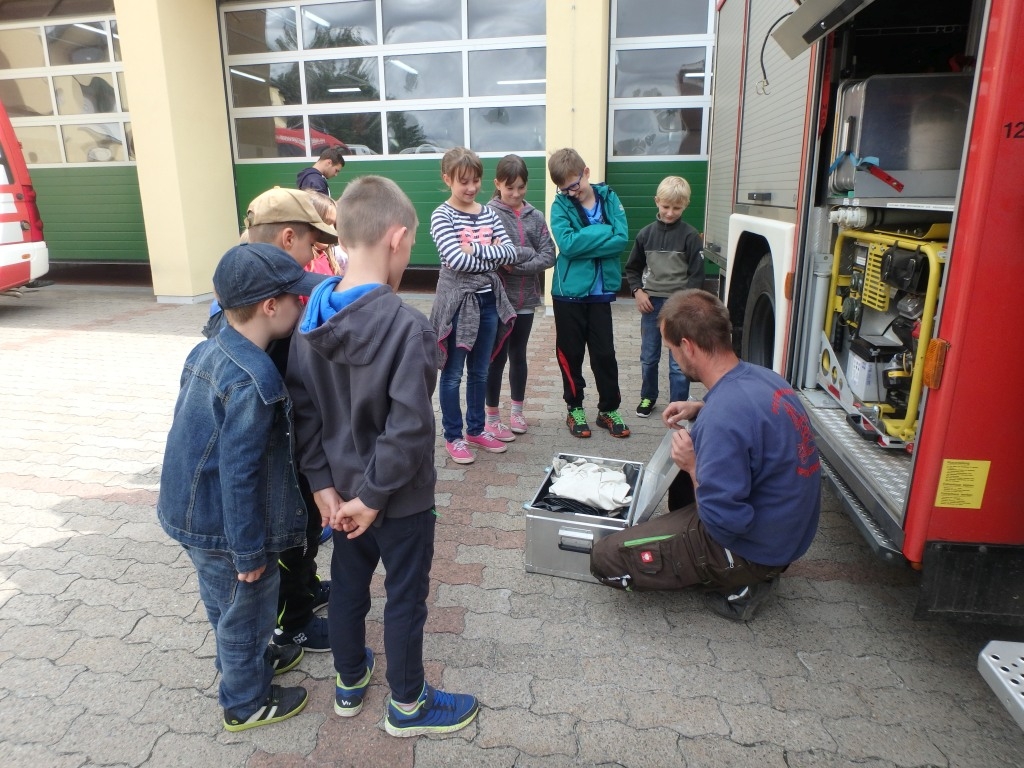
864, 209
23, 254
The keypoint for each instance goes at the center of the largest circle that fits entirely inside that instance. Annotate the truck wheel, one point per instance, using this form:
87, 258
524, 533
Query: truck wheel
758, 345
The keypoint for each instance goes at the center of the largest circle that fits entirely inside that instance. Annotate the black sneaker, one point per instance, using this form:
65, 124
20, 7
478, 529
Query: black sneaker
742, 604
284, 657
576, 421
323, 595
611, 421
313, 637
280, 704
644, 409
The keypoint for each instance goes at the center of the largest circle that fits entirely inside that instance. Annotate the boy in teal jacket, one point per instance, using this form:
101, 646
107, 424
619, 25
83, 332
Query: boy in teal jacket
589, 226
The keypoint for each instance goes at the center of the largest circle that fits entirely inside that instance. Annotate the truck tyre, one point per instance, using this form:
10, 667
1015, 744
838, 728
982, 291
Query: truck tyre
758, 344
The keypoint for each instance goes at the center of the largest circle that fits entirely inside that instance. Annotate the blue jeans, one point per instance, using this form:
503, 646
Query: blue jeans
406, 547
243, 618
476, 361
650, 358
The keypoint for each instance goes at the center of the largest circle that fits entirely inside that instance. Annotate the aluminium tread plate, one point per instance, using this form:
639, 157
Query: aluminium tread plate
885, 472
1002, 665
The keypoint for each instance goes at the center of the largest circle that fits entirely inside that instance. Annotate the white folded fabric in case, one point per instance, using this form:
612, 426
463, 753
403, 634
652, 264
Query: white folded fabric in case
599, 487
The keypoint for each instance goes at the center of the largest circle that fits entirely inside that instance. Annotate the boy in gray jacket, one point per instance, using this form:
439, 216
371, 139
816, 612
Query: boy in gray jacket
362, 371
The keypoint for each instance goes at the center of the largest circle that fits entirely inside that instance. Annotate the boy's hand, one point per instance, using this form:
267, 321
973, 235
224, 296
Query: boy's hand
643, 301
354, 518
252, 576
327, 503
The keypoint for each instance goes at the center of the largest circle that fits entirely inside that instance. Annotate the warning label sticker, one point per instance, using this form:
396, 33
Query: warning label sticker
962, 483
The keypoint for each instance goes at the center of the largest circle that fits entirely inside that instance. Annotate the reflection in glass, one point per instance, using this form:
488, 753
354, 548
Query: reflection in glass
21, 48
115, 40
416, 21
265, 85
122, 91
339, 25
490, 19
423, 76
262, 31
660, 72
506, 129
360, 133
82, 43
85, 94
657, 132
507, 72
425, 131
94, 143
260, 137
655, 18
39, 143
341, 80
129, 141
26, 97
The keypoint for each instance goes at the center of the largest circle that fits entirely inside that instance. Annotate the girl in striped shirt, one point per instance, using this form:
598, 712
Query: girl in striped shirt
471, 313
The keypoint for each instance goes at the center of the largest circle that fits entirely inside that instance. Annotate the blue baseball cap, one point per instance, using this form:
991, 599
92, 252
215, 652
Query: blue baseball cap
253, 272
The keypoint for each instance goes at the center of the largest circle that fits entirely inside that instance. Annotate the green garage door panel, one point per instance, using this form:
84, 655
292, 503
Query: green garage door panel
91, 214
636, 183
420, 179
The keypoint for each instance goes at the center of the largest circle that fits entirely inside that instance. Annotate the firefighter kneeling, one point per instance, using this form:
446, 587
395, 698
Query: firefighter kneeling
747, 499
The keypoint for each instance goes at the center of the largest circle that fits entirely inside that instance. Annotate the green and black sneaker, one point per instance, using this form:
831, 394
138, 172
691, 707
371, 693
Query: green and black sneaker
644, 409
577, 422
611, 421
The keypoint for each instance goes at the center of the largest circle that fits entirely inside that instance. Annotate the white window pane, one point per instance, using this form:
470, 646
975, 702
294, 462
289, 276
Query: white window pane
39, 143
82, 43
265, 85
506, 73
421, 21
339, 25
490, 19
85, 94
425, 131
423, 76
95, 143
341, 80
270, 137
21, 48
506, 129
261, 31
360, 133
26, 97
660, 72
657, 132
656, 18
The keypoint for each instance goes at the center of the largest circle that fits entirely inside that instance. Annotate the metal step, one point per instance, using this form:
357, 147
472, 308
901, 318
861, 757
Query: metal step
1002, 665
877, 539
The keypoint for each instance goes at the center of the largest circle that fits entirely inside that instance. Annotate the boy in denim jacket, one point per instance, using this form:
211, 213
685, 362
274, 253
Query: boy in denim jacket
228, 491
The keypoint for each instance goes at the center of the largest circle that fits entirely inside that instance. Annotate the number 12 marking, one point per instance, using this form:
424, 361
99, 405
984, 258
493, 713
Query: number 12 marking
1014, 130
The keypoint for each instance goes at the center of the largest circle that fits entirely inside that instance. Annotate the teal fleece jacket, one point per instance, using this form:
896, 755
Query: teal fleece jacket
587, 250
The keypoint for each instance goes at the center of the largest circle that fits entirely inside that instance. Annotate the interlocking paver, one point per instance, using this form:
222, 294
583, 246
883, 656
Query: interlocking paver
106, 655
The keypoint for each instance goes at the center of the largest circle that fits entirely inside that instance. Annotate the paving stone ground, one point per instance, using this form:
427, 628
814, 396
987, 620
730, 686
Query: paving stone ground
106, 657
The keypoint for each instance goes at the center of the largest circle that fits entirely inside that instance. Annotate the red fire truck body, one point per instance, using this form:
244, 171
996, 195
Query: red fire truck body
864, 208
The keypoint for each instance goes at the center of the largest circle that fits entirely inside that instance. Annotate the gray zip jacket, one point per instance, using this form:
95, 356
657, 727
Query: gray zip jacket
529, 232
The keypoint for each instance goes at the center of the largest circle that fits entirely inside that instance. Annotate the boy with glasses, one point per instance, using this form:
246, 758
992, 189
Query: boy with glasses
589, 226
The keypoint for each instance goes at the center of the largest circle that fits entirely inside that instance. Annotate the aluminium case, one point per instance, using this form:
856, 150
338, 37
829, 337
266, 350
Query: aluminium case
559, 543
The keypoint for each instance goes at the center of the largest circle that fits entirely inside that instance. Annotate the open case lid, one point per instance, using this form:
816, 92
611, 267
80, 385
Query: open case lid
812, 20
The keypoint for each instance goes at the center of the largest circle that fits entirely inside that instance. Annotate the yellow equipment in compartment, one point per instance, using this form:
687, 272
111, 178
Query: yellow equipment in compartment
861, 289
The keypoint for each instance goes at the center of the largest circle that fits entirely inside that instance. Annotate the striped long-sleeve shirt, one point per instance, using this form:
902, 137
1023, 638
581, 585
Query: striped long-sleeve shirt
491, 247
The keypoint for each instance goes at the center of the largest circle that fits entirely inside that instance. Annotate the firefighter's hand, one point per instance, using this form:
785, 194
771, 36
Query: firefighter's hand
680, 411
682, 451
327, 503
354, 518
643, 301
252, 576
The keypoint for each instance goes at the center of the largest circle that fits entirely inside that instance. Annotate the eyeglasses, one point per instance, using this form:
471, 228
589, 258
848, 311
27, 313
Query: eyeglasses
574, 187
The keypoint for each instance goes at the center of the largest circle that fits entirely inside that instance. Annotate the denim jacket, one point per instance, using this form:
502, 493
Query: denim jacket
229, 481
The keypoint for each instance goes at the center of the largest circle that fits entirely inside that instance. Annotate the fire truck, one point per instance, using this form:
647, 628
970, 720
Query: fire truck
23, 253
864, 207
